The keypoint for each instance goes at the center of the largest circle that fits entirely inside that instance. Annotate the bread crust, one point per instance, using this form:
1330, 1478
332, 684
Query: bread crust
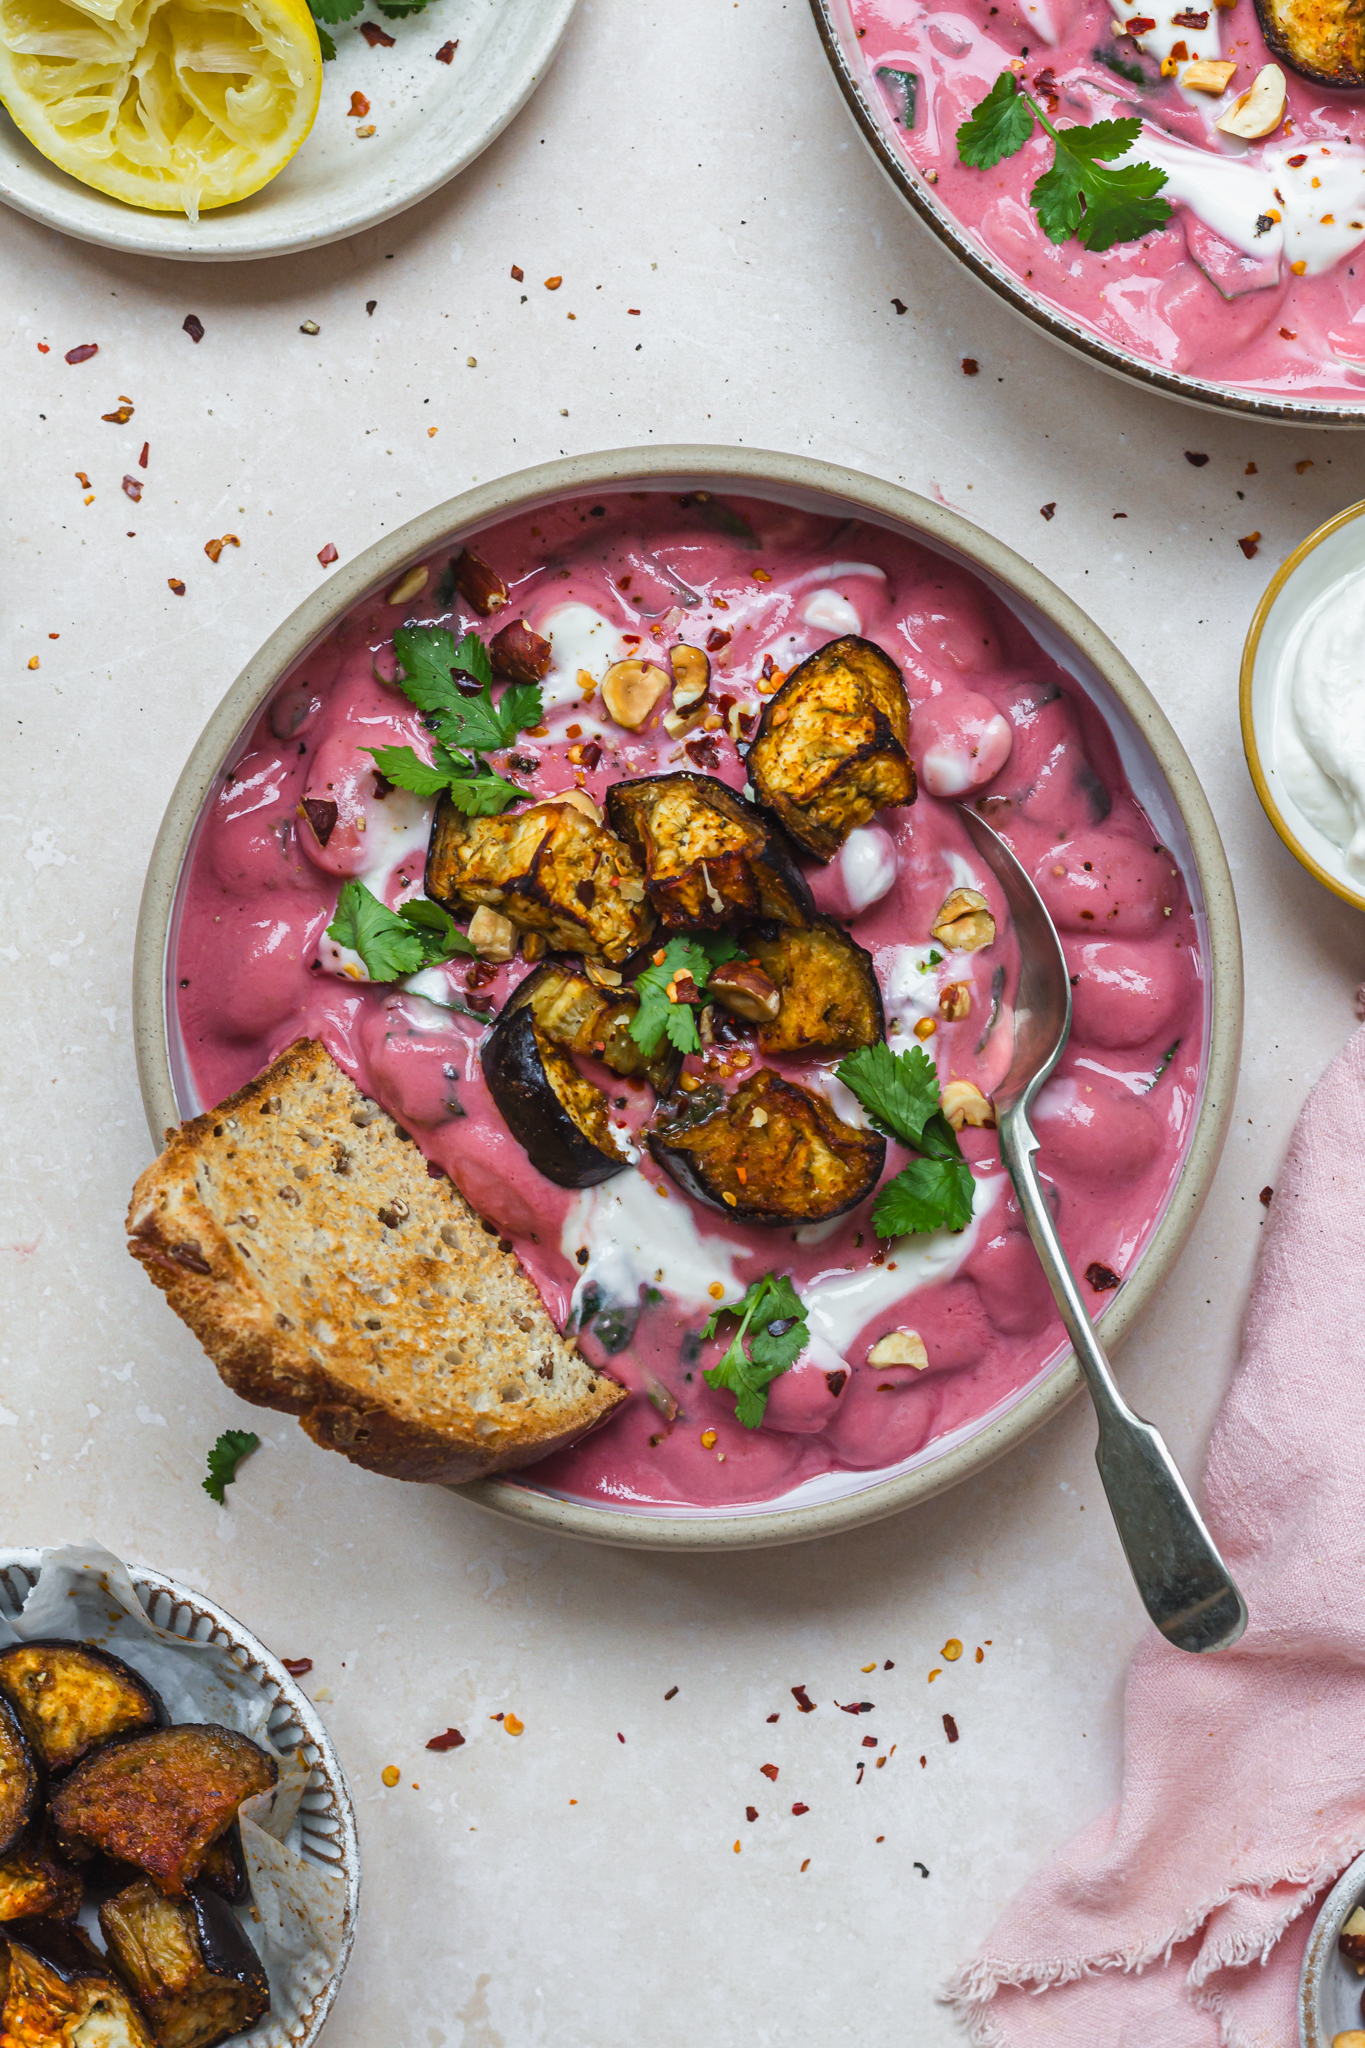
296, 1231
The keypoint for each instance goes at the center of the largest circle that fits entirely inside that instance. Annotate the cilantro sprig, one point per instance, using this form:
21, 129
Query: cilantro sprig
464, 728
329, 13
899, 1091
773, 1319
394, 943
673, 1016
1080, 195
227, 1454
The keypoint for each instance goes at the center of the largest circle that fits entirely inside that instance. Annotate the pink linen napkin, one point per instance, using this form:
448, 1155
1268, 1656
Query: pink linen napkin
1179, 1919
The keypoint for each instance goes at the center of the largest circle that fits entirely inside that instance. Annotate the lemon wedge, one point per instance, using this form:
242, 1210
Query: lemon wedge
176, 105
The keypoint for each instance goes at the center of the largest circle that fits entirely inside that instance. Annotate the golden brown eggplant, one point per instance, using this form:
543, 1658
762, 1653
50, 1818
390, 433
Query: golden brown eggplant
830, 999
223, 1869
1320, 39
35, 1882
572, 1011
832, 747
158, 1800
770, 1153
71, 1697
197, 1977
560, 1118
549, 869
61, 1993
18, 1779
710, 859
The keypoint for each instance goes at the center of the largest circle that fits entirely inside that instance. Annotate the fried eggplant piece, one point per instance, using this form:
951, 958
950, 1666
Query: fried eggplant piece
223, 1869
561, 1120
830, 999
71, 1697
35, 1882
157, 1800
770, 1153
549, 869
572, 1011
832, 747
18, 1779
60, 1993
197, 1977
1320, 39
710, 859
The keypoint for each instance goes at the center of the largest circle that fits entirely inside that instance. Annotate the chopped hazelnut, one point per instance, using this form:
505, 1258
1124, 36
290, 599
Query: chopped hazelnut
1351, 1940
492, 936
899, 1347
410, 585
691, 685
630, 690
518, 654
601, 976
964, 923
479, 585
1207, 74
963, 1103
955, 1002
1260, 109
758, 1118
534, 946
743, 988
925, 1027
581, 801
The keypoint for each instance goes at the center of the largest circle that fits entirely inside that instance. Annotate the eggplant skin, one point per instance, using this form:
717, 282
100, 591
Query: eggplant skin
832, 747
559, 1119
798, 1163
35, 1882
19, 1781
573, 1012
157, 1800
196, 1975
59, 1992
1320, 39
549, 869
831, 1002
70, 1697
224, 1868
710, 859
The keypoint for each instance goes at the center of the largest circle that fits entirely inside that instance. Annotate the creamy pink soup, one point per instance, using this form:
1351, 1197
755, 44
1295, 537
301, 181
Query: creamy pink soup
1279, 312
631, 1264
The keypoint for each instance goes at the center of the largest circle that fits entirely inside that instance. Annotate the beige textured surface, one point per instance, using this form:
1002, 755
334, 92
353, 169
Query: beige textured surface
709, 141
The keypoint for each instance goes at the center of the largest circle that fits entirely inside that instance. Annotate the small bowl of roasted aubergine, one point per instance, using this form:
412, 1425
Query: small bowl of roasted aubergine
178, 1860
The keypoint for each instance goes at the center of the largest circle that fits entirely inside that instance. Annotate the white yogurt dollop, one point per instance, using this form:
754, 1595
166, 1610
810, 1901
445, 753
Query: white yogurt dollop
1327, 695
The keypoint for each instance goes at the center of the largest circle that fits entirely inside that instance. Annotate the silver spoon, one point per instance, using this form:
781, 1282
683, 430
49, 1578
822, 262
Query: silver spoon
1185, 1586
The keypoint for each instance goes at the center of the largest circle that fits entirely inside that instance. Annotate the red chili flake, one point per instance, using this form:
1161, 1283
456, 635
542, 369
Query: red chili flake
717, 638
146, 451
857, 1707
806, 1865
800, 1807
479, 973
119, 418
495, 1717
1250, 470
672, 1693
1286, 334
43, 349
859, 1779
803, 1699
771, 1719
1248, 544
703, 751
869, 1742
358, 108
452, 1739
370, 305
619, 1736
174, 583
950, 1727
751, 1813
1048, 510
1295, 163
1101, 1278
92, 348
631, 639
518, 274
1195, 459
444, 55
1267, 1195
970, 366
327, 555
297, 1667
322, 814
133, 485
377, 40
1190, 19
1120, 515
1139, 25
193, 326
900, 306
633, 309
836, 1381
769, 1771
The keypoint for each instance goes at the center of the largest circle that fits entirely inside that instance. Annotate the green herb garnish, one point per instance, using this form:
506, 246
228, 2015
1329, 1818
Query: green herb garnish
464, 727
899, 1091
394, 943
772, 1312
660, 1015
904, 86
329, 13
1080, 195
227, 1454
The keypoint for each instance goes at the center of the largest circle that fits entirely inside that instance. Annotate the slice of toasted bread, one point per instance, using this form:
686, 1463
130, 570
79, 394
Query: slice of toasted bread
297, 1231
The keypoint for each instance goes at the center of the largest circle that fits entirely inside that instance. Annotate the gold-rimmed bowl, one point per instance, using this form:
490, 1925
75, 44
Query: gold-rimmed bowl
1271, 743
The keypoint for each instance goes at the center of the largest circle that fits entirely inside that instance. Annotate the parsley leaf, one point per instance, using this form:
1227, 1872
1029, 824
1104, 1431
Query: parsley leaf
395, 10
325, 43
899, 1091
392, 943
1079, 195
659, 1016
227, 1454
428, 655
774, 1310
331, 11
471, 787
928, 1194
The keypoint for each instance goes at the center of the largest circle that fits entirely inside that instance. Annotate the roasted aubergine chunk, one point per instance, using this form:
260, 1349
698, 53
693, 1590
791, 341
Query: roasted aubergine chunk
549, 869
710, 859
830, 1001
71, 1697
35, 1882
18, 1779
558, 1116
770, 1153
61, 1993
572, 1011
158, 1800
224, 1867
832, 747
197, 1977
1320, 39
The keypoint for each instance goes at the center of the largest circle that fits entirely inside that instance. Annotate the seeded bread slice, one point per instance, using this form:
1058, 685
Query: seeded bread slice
298, 1233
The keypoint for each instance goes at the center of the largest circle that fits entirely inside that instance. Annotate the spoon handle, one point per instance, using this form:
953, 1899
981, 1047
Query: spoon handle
1184, 1584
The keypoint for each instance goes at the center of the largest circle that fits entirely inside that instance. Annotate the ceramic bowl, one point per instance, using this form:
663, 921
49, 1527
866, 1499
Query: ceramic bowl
1156, 765
1269, 734
873, 121
1329, 1988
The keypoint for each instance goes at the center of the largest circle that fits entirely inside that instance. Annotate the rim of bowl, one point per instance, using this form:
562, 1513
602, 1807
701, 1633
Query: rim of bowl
1317, 1957
1269, 598
1197, 391
747, 471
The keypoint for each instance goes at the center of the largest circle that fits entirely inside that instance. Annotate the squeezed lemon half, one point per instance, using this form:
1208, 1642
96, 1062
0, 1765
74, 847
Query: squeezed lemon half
176, 105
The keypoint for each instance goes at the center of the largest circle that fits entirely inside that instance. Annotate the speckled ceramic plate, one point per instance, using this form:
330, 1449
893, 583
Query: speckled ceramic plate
1329, 1989
430, 120
324, 1829
1156, 766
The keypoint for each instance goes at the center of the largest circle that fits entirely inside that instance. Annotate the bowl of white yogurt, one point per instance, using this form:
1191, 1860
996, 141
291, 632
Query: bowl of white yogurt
1303, 704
